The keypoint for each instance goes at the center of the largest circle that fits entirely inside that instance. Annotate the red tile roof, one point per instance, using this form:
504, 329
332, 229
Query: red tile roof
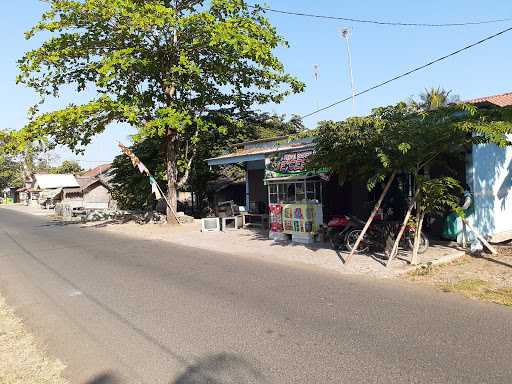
503, 100
97, 171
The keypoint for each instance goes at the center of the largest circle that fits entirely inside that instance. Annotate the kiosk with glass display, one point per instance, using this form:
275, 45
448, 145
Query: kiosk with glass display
295, 197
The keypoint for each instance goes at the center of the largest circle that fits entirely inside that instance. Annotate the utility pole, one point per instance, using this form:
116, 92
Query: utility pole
345, 34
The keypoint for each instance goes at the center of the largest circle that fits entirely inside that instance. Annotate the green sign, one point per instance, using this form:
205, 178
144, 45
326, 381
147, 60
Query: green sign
289, 164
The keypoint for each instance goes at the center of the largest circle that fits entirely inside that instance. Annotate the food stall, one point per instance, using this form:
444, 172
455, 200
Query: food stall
295, 197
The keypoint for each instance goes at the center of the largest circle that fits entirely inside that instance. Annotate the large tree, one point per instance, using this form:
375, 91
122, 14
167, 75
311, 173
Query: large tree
170, 68
132, 190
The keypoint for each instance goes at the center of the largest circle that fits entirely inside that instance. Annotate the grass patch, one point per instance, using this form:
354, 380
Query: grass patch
481, 290
21, 362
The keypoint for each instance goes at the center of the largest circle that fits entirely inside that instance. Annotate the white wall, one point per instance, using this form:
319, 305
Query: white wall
489, 174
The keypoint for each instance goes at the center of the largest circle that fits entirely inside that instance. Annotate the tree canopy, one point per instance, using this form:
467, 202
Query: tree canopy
132, 190
67, 166
11, 168
434, 98
403, 138
172, 69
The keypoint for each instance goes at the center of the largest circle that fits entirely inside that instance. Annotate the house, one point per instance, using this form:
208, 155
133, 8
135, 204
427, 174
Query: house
489, 176
279, 187
23, 193
91, 193
46, 187
276, 176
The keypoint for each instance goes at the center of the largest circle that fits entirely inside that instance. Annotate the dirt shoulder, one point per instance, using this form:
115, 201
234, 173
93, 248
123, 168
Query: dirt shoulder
487, 277
21, 361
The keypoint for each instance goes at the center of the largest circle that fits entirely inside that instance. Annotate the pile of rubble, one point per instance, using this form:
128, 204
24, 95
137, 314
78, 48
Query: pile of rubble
106, 214
93, 215
184, 219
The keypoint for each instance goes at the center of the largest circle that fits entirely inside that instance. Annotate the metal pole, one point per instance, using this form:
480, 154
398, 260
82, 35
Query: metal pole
345, 34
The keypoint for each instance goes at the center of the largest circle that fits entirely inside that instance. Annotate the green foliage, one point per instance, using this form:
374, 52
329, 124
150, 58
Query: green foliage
179, 71
404, 138
131, 189
11, 168
435, 98
437, 195
251, 126
67, 166
11, 173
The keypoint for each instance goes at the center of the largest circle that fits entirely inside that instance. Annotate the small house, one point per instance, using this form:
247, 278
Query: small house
46, 188
91, 193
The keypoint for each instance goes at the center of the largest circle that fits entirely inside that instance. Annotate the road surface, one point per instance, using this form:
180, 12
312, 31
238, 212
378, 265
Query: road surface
121, 310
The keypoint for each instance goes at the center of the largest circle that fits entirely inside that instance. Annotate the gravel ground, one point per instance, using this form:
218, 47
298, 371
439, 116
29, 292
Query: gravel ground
486, 277
21, 361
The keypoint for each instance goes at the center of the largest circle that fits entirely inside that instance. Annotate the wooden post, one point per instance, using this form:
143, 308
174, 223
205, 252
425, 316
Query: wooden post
417, 238
394, 251
481, 238
169, 205
372, 216
464, 240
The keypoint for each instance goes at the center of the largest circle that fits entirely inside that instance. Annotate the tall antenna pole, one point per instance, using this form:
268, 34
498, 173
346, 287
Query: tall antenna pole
345, 34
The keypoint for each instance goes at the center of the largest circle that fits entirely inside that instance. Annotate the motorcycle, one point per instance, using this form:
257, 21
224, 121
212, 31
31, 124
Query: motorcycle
338, 227
380, 237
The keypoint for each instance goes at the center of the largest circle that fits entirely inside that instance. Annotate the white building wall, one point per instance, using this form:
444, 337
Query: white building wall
489, 175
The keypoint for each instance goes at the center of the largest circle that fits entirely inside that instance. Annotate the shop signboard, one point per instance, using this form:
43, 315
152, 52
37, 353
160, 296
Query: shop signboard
289, 164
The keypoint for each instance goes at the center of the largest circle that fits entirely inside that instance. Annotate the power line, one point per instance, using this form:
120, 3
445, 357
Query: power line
380, 22
408, 72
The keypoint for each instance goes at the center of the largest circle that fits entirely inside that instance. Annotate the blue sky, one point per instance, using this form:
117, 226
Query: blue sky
378, 53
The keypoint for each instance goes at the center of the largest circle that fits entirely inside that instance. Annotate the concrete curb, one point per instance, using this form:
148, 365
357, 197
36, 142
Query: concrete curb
442, 260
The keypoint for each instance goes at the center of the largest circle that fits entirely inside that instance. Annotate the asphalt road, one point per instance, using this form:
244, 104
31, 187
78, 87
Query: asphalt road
115, 309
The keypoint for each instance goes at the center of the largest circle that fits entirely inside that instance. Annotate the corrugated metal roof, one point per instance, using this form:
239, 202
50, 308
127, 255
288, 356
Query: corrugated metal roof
260, 151
44, 181
84, 184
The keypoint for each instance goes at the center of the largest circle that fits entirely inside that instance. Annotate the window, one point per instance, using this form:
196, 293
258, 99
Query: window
290, 192
282, 192
310, 190
273, 196
294, 192
299, 192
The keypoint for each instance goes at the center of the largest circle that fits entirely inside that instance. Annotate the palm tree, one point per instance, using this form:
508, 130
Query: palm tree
435, 98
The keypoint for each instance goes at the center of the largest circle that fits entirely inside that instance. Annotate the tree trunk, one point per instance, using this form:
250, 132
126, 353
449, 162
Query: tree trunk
394, 251
417, 238
172, 177
370, 219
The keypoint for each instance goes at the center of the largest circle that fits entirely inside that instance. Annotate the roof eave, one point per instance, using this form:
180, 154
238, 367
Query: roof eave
243, 158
